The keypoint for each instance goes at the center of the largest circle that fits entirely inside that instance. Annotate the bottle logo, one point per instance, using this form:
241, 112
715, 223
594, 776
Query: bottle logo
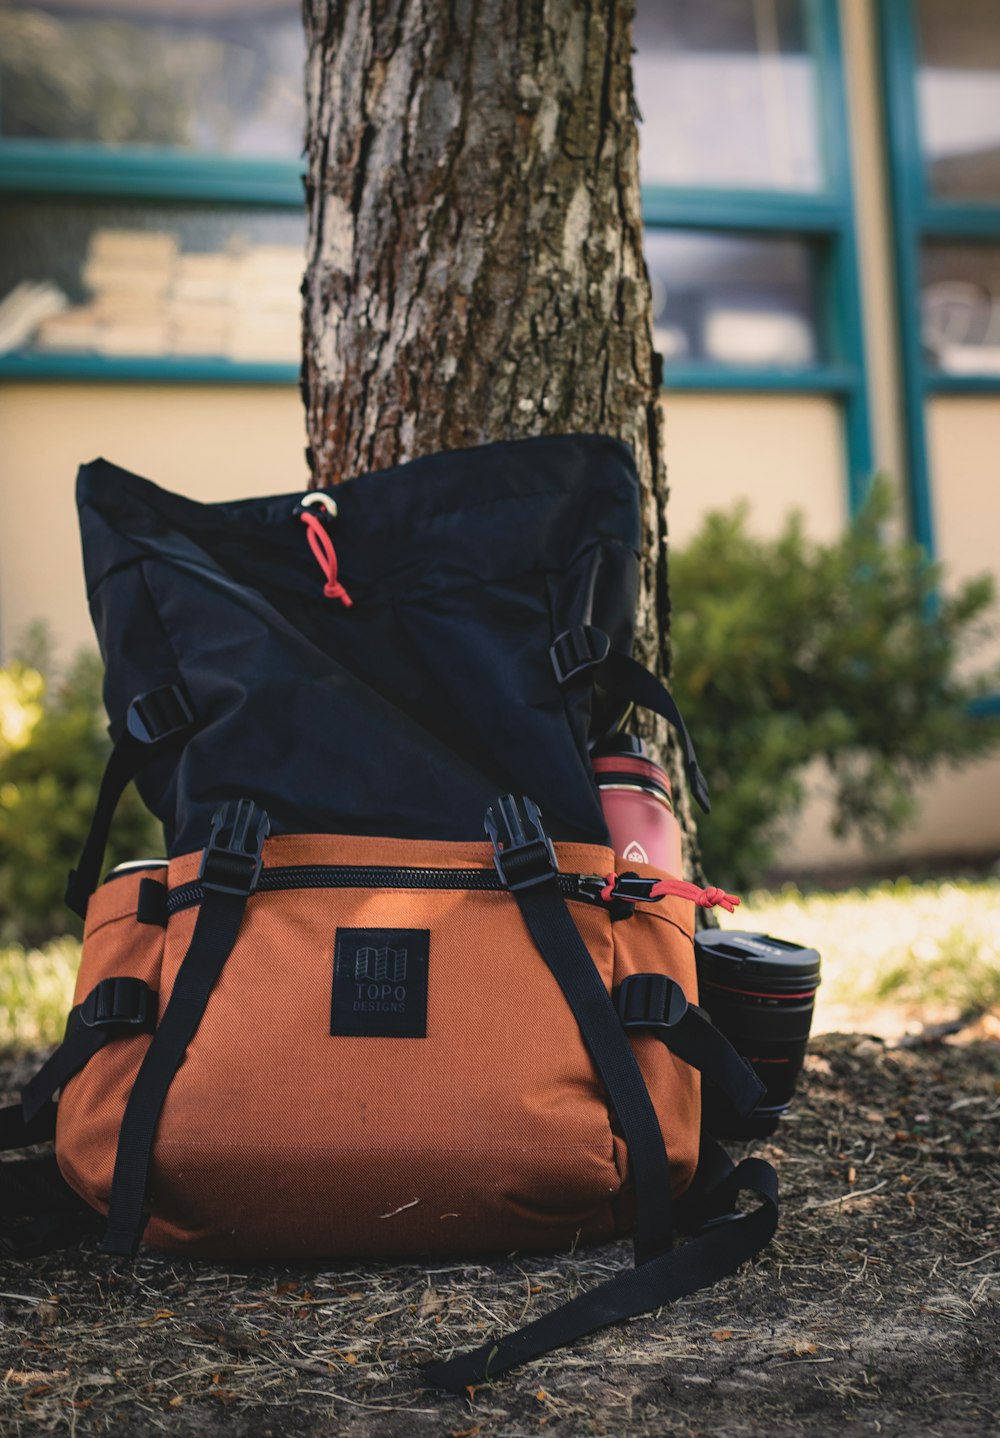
635, 853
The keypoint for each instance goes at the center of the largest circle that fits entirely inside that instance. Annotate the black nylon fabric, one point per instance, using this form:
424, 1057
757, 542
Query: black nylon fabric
408, 713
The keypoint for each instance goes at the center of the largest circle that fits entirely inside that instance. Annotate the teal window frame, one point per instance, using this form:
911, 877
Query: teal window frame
100, 172
917, 216
140, 172
827, 217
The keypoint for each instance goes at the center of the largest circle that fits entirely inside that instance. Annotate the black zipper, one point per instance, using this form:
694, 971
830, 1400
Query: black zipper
586, 887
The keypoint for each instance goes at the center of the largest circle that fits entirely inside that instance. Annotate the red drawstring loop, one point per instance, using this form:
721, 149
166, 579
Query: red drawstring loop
676, 888
326, 557
704, 898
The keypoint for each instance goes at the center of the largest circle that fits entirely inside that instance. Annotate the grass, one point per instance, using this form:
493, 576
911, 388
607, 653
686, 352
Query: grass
36, 990
895, 957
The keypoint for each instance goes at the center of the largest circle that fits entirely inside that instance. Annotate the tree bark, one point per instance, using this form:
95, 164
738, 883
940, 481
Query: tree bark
475, 267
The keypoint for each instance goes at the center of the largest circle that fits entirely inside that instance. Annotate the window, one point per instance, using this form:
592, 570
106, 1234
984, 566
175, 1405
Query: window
941, 60
153, 220
746, 193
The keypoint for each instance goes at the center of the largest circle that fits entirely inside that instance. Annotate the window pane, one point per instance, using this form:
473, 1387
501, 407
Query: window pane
960, 308
732, 300
129, 279
728, 94
219, 76
959, 96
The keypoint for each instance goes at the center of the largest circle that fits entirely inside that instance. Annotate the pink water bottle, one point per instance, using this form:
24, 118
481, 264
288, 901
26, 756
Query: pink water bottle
638, 805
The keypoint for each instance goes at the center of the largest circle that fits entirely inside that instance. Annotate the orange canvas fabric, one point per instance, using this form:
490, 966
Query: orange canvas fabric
493, 1132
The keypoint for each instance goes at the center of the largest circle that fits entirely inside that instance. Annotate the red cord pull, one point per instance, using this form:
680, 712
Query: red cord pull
630, 888
704, 898
326, 557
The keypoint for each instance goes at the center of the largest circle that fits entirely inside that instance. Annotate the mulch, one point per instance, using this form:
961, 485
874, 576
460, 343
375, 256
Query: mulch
875, 1309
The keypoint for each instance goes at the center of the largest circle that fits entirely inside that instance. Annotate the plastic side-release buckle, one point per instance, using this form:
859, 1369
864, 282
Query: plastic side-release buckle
576, 650
522, 851
234, 854
119, 1003
650, 1001
159, 713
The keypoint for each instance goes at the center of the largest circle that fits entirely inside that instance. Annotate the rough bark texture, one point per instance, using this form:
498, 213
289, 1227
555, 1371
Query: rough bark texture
475, 266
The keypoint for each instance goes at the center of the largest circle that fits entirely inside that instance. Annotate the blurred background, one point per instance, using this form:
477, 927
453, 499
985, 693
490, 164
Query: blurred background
821, 187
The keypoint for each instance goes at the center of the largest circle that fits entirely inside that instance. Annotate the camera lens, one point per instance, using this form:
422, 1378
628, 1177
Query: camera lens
760, 992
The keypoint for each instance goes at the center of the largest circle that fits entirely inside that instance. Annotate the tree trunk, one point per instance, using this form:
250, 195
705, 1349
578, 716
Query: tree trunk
475, 267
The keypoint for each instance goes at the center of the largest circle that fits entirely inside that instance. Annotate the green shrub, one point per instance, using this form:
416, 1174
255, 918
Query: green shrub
53, 748
788, 651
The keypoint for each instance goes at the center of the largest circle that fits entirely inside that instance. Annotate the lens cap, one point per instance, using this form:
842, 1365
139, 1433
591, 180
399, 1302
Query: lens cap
734, 956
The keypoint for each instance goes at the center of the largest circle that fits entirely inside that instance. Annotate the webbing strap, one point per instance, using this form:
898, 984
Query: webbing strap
558, 941
585, 652
114, 1008
703, 1260
656, 1004
155, 723
626, 678
19, 1131
212, 942
229, 874
697, 1041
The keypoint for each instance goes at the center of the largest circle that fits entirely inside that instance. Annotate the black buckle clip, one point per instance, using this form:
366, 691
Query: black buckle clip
650, 1001
119, 1003
522, 851
575, 650
159, 714
234, 855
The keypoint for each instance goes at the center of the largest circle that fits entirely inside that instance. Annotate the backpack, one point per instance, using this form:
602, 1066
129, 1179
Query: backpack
340, 1019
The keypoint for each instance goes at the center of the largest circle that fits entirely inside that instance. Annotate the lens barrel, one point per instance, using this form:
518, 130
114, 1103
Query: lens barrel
760, 992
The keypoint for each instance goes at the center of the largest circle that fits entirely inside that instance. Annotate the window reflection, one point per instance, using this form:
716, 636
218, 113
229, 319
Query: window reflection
221, 76
728, 94
151, 281
960, 308
958, 86
732, 300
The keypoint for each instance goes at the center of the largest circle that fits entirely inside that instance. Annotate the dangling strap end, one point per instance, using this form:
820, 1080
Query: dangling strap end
699, 787
77, 895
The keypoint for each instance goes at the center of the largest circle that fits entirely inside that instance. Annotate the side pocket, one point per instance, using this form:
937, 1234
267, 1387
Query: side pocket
115, 945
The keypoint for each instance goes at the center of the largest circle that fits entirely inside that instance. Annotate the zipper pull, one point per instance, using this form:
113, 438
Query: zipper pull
635, 890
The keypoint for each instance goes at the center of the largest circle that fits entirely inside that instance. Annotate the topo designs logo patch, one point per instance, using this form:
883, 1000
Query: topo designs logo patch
380, 983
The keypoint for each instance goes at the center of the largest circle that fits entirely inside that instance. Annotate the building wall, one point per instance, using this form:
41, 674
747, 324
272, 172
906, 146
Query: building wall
212, 442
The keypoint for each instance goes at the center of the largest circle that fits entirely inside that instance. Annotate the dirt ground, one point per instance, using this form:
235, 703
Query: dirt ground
874, 1311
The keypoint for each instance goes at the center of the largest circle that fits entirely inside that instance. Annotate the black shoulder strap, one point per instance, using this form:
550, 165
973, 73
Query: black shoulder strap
40, 1211
725, 1237
657, 1005
585, 653
725, 1241
526, 862
155, 723
230, 870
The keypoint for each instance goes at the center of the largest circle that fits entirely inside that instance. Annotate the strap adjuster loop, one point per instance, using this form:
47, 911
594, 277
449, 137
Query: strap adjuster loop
119, 1003
234, 854
576, 650
159, 714
650, 1001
